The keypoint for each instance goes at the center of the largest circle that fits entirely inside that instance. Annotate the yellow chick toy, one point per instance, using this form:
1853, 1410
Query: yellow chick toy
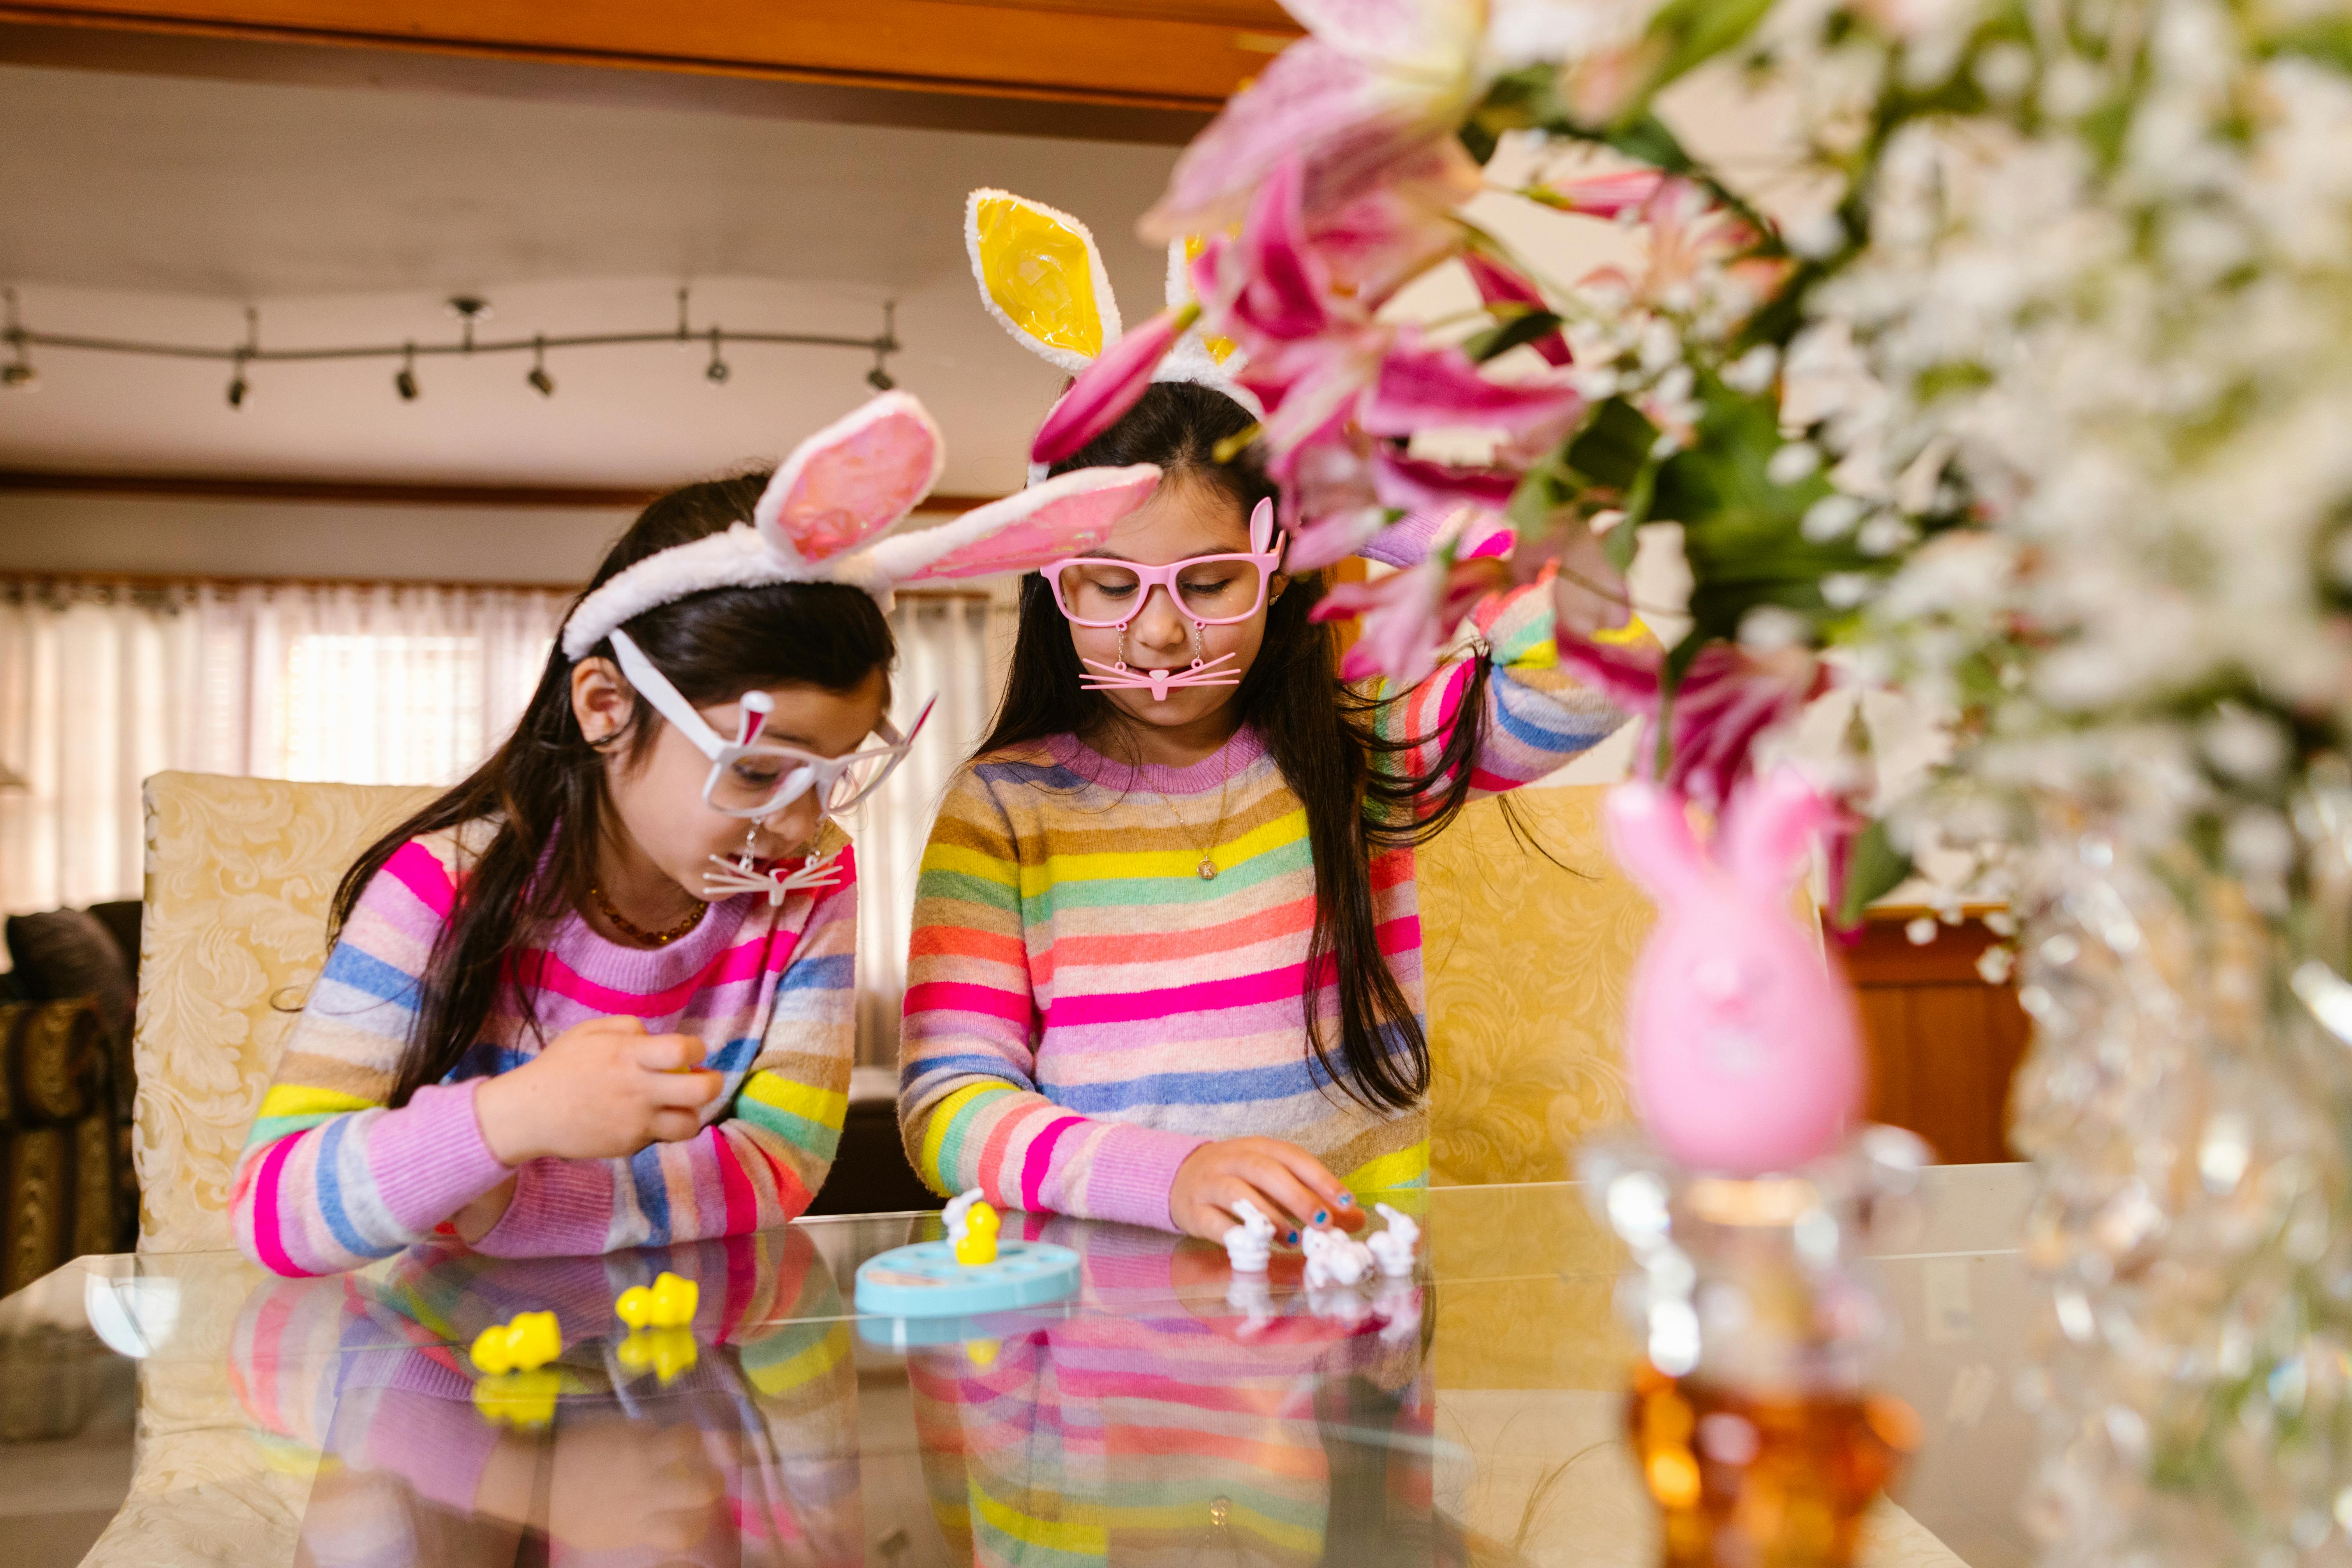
527, 1344
669, 1304
668, 1351
524, 1398
978, 1243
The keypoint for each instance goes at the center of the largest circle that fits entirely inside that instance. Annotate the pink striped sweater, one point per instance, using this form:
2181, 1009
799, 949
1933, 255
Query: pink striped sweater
332, 1176
1083, 1010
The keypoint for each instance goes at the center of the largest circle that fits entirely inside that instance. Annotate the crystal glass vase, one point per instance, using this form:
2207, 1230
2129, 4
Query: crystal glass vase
2187, 1104
1751, 1415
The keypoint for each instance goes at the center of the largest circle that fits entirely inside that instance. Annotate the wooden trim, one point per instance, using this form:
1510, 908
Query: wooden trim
1187, 57
374, 492
155, 582
148, 582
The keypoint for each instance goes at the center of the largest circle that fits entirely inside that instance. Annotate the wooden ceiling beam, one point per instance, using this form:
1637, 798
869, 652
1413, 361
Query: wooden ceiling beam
1140, 71
370, 492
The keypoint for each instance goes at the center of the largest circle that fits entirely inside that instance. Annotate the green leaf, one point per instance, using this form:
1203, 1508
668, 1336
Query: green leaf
1615, 445
1525, 327
1743, 534
2326, 39
1620, 544
1692, 31
1545, 489
1876, 868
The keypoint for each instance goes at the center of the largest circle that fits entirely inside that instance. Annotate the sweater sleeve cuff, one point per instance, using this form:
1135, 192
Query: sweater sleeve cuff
428, 1158
1132, 1173
1519, 626
560, 1208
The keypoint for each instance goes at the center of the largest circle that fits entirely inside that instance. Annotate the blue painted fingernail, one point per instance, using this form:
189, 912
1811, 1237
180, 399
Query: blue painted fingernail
1292, 1239
1322, 1217
1347, 1200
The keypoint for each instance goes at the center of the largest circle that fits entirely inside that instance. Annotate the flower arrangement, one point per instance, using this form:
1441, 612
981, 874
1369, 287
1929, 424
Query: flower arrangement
2031, 402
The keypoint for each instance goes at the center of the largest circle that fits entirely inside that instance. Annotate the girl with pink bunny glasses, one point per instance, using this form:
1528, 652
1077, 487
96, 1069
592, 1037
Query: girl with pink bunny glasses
599, 994
1101, 591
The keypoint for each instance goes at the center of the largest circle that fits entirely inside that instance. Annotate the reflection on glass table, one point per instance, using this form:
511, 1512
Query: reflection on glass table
1164, 1415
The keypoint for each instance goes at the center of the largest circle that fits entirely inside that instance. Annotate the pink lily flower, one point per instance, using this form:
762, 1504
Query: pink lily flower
1107, 388
1726, 699
1424, 385
1375, 83
1408, 615
1501, 285
1603, 196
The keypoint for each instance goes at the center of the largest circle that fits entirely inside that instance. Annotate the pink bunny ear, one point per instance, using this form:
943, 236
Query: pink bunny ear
1062, 516
851, 479
1261, 527
1651, 836
1771, 826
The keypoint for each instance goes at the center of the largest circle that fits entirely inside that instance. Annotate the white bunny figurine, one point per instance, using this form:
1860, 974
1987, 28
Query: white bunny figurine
1250, 1245
952, 1216
1393, 1248
1332, 1258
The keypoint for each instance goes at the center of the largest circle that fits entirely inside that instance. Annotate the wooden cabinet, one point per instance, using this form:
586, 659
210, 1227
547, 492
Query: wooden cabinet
1943, 1044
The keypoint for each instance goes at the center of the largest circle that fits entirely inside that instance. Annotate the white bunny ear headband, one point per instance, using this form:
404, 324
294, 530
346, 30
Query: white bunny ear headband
1042, 277
819, 519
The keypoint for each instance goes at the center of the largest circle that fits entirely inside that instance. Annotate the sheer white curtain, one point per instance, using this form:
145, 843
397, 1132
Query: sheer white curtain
102, 684
953, 647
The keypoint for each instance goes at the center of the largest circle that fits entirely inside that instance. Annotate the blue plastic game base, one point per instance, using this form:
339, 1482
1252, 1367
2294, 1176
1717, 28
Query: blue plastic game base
924, 1281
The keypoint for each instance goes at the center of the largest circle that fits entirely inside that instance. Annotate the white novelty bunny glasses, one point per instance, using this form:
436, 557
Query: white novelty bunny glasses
749, 778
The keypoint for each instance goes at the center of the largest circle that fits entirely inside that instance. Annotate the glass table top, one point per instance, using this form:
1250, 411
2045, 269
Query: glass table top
1160, 1417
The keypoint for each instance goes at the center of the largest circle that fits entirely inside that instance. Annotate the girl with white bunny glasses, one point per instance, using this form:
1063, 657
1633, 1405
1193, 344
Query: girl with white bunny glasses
517, 1034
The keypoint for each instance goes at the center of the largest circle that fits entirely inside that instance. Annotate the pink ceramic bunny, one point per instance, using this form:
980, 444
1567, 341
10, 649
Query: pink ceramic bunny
1742, 1044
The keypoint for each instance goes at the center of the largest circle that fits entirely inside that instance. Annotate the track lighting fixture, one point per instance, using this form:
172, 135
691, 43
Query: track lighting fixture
18, 372
238, 387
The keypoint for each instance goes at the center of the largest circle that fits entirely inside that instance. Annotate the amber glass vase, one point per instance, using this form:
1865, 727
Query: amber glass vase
1751, 1415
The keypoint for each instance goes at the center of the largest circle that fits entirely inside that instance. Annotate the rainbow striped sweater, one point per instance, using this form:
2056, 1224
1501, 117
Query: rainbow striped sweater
332, 1176
1083, 1010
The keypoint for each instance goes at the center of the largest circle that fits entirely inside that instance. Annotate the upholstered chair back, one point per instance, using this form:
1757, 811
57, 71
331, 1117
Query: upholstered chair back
239, 873
1527, 941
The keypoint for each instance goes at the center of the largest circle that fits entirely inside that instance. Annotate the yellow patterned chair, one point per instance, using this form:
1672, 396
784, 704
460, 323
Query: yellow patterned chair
1526, 961
239, 872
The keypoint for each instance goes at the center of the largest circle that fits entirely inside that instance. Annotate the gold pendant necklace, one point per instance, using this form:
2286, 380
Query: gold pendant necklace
1207, 870
636, 932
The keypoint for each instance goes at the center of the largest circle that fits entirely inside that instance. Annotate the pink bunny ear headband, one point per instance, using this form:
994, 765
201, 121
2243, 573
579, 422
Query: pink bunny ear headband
849, 482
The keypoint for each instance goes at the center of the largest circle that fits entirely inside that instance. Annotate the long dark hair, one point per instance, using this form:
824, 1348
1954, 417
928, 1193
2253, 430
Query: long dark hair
1321, 734
544, 788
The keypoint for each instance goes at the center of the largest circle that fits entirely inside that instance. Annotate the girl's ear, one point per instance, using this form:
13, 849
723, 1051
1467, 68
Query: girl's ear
1770, 828
1650, 836
601, 701
851, 479
1041, 275
1064, 516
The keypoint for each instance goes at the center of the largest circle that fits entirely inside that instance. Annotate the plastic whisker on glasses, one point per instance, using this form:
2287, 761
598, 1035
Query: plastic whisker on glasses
740, 873
1158, 682
1120, 676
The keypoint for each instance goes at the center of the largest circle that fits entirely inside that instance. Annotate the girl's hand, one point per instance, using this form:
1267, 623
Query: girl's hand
1289, 1185
600, 1090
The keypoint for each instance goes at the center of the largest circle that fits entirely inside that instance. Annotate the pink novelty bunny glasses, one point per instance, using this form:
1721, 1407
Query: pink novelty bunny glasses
1103, 591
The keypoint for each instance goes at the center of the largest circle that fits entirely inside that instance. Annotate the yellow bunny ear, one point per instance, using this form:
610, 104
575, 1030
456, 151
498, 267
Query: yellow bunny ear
1181, 254
1040, 274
